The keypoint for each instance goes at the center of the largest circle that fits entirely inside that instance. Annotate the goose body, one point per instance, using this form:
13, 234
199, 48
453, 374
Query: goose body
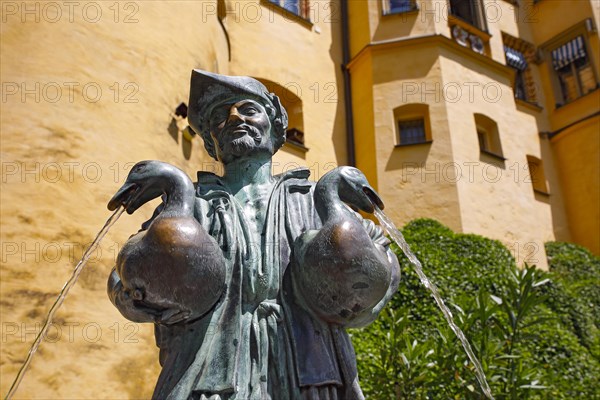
174, 269
338, 270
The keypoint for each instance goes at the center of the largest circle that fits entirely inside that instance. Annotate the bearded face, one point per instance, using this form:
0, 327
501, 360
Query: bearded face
241, 129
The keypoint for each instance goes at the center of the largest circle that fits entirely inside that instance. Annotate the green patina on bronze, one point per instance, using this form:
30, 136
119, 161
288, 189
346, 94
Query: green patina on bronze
250, 278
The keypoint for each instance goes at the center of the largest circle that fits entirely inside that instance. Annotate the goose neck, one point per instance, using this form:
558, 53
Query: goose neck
180, 194
328, 203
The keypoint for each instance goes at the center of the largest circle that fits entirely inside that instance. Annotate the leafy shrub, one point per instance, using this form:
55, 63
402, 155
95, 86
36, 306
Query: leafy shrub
532, 331
575, 295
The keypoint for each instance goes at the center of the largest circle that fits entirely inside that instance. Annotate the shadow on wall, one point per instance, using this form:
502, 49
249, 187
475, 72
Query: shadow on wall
175, 131
339, 134
394, 24
178, 126
408, 157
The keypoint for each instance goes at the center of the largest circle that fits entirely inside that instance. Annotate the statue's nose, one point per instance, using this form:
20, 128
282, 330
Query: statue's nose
234, 115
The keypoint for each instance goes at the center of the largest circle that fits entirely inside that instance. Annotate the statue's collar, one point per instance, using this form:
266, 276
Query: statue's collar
210, 182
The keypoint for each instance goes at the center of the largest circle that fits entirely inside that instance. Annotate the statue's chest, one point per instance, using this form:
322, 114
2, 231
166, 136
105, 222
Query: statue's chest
254, 204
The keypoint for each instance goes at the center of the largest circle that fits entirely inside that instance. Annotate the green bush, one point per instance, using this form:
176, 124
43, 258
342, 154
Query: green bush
534, 334
575, 295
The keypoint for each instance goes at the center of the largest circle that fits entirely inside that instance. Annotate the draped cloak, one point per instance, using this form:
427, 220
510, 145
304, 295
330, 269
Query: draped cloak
259, 341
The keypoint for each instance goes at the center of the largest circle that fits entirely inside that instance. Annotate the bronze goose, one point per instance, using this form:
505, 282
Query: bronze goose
174, 269
339, 270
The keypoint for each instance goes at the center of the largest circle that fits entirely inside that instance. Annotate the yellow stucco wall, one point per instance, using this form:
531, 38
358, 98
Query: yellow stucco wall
64, 155
496, 197
409, 178
100, 97
574, 148
490, 197
364, 137
577, 149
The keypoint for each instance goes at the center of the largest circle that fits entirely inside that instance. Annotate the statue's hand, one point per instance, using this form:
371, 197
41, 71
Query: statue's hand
135, 306
172, 316
127, 303
353, 188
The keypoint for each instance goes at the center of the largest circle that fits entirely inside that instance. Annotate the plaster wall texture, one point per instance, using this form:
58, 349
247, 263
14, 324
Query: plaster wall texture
406, 176
63, 158
574, 150
563, 14
577, 150
369, 24
364, 124
496, 197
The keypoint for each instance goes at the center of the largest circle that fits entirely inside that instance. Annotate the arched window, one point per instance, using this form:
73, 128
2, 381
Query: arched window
288, 96
488, 136
412, 124
536, 173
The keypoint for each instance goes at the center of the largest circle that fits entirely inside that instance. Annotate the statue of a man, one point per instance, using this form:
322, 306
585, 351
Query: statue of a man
299, 265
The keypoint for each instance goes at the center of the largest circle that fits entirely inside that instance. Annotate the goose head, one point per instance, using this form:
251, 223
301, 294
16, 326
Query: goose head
146, 181
354, 189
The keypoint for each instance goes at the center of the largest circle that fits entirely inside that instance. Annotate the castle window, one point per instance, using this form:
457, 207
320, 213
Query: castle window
412, 124
488, 136
520, 55
300, 8
537, 176
516, 60
412, 131
573, 70
470, 11
398, 6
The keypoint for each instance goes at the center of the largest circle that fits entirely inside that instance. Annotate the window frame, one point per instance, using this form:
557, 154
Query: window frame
535, 167
477, 10
422, 139
303, 5
584, 29
525, 76
412, 112
487, 129
387, 10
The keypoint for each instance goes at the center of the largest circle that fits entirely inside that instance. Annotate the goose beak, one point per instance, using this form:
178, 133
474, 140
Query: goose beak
123, 196
373, 197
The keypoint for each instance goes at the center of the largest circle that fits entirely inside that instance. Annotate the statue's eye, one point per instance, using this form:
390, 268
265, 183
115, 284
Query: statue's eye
250, 110
219, 117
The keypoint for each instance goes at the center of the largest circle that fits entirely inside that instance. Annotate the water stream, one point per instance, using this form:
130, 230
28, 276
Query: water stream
60, 299
391, 229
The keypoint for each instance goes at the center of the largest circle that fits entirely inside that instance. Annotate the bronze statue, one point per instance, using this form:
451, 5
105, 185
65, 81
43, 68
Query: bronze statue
250, 278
